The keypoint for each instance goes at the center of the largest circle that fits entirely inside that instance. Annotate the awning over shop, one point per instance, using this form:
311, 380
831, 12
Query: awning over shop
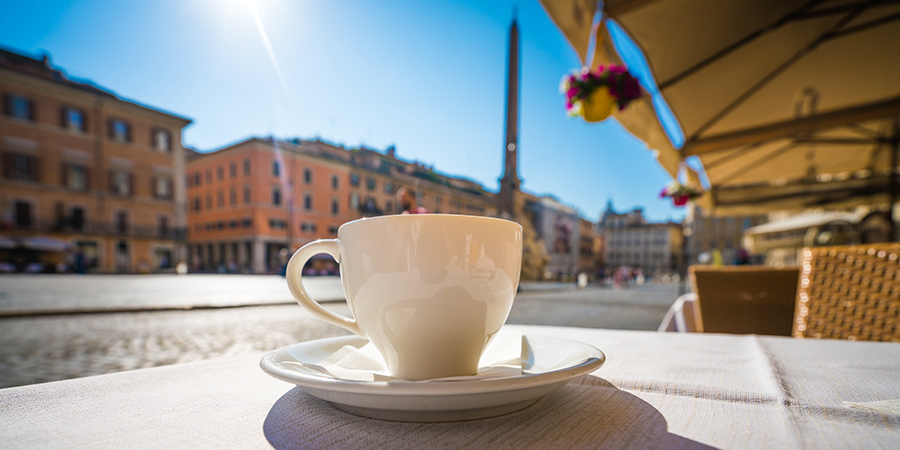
46, 244
788, 104
7, 242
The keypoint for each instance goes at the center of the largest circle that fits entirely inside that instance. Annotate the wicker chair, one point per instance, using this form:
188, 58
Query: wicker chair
744, 299
850, 292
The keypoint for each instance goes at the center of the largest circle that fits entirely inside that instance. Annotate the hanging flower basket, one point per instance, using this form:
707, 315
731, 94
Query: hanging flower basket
680, 194
598, 106
595, 95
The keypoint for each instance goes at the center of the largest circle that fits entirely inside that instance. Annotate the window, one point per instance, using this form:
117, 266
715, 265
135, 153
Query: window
247, 222
23, 214
276, 196
276, 168
232, 224
197, 179
388, 187
277, 224
76, 218
437, 199
119, 130
335, 207
196, 203
220, 173
163, 226
162, 187
19, 107
246, 166
388, 207
232, 170
307, 202
122, 222
307, 176
120, 182
334, 182
370, 183
354, 179
354, 201
73, 119
246, 194
161, 140
220, 199
232, 197
17, 166
75, 177
308, 227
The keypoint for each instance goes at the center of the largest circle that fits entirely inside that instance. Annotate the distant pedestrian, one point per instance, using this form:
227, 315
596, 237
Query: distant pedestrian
80, 263
406, 200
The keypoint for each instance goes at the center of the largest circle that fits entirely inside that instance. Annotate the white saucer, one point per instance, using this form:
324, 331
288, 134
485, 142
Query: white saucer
547, 364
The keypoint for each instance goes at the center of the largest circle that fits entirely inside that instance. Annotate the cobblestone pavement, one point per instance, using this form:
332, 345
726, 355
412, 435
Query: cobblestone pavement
48, 348
42, 293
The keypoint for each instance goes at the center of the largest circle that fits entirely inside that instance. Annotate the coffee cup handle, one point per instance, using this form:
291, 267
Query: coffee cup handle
295, 272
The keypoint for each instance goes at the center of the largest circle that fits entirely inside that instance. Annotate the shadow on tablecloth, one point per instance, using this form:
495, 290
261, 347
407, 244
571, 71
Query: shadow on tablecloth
588, 412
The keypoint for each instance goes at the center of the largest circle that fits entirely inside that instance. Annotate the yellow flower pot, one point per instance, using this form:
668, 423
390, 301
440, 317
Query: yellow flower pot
598, 106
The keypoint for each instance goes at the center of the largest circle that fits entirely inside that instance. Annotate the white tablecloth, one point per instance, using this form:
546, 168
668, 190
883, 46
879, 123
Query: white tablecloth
662, 390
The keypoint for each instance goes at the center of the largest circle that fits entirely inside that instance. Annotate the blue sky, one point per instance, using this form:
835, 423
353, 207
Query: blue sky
427, 77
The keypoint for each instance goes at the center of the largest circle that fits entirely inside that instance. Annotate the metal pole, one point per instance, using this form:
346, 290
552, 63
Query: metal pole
685, 234
894, 182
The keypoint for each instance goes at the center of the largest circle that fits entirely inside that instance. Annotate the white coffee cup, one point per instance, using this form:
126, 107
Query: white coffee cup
428, 290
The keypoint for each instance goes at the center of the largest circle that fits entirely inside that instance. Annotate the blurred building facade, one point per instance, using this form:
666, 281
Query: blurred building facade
88, 178
588, 244
705, 234
250, 200
559, 227
629, 240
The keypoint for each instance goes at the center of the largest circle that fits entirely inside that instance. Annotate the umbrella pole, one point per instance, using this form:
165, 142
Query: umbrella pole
893, 184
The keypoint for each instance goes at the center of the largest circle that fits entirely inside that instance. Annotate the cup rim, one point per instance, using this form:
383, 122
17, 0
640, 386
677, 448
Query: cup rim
428, 216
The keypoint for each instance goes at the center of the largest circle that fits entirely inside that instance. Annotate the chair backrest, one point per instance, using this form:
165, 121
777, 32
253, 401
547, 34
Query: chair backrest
745, 299
850, 292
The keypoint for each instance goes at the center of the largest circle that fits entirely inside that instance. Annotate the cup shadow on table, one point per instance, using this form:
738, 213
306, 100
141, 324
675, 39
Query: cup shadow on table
588, 412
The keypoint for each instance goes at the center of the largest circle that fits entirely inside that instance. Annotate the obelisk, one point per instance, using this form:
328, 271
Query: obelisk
509, 183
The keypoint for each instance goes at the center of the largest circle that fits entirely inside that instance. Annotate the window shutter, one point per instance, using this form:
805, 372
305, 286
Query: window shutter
153, 187
171, 189
130, 184
34, 169
109, 127
65, 175
7, 109
84, 121
7, 165
87, 178
112, 181
62, 117
31, 113
127, 132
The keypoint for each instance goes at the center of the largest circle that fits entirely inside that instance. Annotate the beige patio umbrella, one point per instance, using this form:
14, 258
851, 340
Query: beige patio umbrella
788, 104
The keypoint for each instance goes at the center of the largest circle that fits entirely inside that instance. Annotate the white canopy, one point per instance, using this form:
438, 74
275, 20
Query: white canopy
48, 244
788, 104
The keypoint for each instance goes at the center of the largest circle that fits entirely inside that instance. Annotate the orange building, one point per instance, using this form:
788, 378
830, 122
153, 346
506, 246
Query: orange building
89, 180
249, 201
